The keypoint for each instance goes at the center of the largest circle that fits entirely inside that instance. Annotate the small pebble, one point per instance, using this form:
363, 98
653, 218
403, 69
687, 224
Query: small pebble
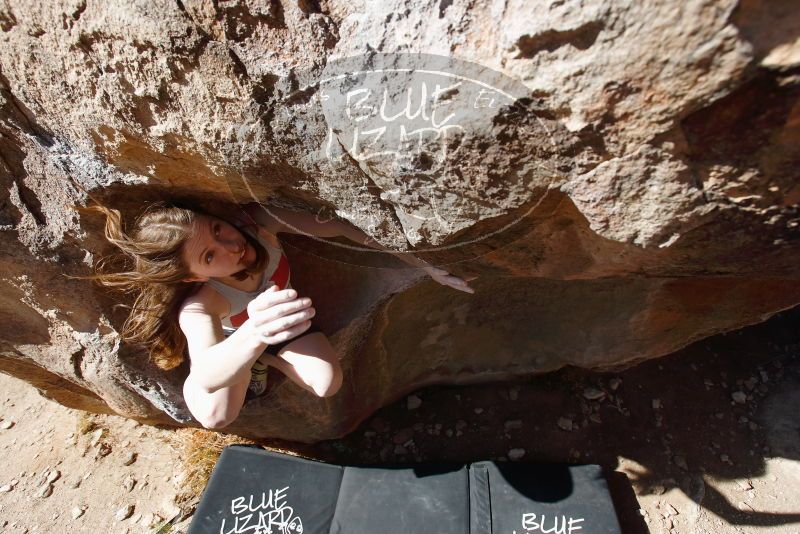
739, 397
77, 512
403, 435
96, 435
5, 425
104, 450
615, 383
128, 483
413, 402
124, 513
149, 520
515, 424
593, 394
565, 424
52, 476
169, 507
516, 454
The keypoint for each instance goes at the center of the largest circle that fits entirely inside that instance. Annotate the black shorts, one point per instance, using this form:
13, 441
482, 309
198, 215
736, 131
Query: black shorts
262, 380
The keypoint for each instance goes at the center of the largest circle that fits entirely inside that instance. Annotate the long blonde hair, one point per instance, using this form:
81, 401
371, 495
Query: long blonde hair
155, 273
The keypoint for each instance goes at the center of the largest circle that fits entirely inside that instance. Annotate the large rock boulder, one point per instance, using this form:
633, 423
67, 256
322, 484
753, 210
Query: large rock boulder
622, 179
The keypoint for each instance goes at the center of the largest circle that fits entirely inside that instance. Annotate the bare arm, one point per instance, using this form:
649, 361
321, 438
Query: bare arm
275, 316
296, 222
217, 362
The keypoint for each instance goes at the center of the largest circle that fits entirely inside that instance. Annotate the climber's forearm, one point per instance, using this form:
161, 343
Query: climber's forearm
357, 236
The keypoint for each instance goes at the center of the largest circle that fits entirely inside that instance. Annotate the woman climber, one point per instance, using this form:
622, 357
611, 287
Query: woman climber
221, 290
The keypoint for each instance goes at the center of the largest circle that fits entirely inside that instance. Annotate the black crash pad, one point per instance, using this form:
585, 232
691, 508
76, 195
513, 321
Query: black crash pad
253, 491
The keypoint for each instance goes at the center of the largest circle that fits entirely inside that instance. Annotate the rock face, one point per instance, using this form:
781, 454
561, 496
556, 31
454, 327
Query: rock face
621, 179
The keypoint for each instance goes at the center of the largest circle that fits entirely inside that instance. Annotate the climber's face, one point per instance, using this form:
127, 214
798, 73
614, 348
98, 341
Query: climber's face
217, 249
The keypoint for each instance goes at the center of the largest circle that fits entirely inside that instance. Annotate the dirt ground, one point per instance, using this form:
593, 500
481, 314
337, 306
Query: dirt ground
706, 440
69, 471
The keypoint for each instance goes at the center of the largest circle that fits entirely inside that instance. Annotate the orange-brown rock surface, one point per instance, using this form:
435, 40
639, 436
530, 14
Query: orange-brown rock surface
623, 180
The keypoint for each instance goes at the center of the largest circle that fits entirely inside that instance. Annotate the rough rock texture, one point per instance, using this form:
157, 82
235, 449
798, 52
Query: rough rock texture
632, 188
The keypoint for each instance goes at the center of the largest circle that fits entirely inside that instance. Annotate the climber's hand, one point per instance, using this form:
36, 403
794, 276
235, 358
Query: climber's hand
447, 279
277, 315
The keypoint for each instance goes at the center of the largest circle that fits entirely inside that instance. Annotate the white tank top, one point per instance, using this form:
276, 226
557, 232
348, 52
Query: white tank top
277, 272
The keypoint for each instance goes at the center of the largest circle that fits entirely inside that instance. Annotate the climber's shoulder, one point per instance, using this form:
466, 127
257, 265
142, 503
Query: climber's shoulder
204, 300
